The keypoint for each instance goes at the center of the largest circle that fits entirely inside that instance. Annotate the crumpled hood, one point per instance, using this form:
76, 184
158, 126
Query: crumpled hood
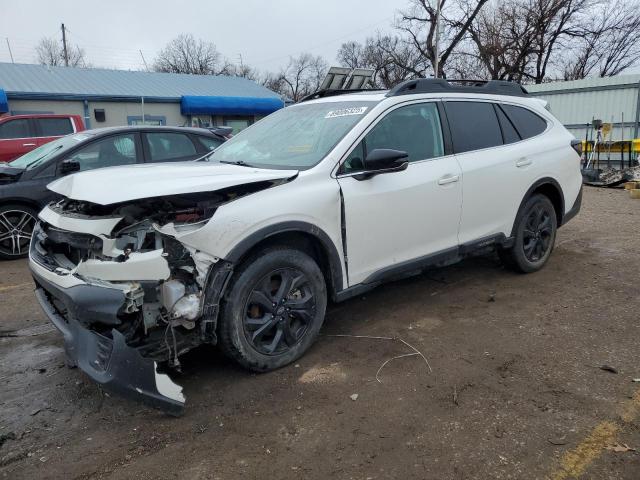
107, 186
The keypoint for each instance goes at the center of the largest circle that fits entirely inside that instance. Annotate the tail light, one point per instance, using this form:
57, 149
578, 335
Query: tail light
577, 146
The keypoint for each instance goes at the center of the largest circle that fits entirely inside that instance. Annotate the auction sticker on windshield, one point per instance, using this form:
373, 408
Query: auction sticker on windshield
345, 112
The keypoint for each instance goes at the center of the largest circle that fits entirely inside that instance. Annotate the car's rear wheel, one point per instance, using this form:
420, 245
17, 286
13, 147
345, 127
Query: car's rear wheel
535, 235
16, 227
273, 310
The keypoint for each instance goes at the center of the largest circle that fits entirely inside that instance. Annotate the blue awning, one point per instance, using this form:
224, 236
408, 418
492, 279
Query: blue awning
4, 103
196, 105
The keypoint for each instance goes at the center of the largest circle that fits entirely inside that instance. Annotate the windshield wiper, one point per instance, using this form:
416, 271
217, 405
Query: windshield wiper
242, 163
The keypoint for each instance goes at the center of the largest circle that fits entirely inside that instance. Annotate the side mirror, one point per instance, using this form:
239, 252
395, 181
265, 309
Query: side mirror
383, 160
69, 166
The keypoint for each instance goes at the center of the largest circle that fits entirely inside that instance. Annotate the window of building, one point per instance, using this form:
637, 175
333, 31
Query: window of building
237, 123
54, 127
474, 125
148, 120
18, 128
165, 146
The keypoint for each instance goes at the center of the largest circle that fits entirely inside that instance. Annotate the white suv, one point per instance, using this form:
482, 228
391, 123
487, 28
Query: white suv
324, 199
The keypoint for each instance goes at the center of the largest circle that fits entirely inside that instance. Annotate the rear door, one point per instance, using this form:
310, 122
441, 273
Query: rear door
163, 146
394, 220
50, 128
498, 166
16, 138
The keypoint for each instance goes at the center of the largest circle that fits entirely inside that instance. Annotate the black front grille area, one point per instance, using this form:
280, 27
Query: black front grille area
51, 244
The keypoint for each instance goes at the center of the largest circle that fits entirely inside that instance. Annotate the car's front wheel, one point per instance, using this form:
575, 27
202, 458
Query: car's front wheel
273, 310
535, 236
16, 227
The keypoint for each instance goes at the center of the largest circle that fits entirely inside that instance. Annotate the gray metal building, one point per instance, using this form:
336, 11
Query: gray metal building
576, 103
119, 97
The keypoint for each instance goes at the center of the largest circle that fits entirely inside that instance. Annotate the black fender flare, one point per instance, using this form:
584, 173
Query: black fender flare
537, 184
335, 264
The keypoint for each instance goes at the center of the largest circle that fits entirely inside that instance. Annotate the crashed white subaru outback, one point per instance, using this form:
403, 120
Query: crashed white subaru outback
325, 199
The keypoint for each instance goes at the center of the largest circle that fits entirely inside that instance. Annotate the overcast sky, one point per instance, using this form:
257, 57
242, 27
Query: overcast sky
264, 32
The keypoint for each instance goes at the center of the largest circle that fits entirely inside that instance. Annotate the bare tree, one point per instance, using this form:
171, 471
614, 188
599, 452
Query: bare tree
50, 51
301, 77
418, 22
185, 54
391, 58
608, 45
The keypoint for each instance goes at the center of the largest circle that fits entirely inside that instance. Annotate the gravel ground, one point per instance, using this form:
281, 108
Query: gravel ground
516, 390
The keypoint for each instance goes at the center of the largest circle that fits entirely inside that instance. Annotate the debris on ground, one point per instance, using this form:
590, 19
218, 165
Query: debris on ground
7, 436
620, 448
557, 441
354, 397
608, 368
636, 380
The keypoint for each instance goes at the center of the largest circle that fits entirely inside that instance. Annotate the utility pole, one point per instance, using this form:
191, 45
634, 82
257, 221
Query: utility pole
146, 67
64, 46
9, 47
436, 62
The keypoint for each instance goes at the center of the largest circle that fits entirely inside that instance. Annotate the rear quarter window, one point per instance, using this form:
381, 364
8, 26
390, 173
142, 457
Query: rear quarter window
526, 122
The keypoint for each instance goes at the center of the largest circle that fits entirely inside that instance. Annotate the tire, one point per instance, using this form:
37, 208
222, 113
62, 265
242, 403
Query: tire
16, 227
535, 235
273, 309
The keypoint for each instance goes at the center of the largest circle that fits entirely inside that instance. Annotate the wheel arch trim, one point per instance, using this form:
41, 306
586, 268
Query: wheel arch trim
333, 257
536, 185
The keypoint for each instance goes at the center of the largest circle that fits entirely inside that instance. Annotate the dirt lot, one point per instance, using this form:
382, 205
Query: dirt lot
516, 389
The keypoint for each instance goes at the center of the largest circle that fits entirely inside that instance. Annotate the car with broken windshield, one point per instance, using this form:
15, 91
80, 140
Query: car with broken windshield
320, 201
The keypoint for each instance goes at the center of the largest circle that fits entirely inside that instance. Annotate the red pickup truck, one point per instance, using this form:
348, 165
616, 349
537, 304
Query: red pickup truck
20, 134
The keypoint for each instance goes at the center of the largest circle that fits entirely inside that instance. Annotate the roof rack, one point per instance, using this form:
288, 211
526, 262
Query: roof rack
440, 85
330, 92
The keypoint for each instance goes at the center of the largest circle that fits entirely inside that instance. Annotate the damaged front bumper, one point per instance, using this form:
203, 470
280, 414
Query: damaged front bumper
108, 360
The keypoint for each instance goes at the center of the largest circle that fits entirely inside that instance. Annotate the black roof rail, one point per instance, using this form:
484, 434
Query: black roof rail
333, 93
440, 85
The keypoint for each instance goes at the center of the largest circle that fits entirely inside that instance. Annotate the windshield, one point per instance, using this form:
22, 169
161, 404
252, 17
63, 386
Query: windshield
43, 154
297, 137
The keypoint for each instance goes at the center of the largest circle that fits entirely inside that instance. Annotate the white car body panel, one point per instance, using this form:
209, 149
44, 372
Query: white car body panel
120, 184
397, 217
91, 226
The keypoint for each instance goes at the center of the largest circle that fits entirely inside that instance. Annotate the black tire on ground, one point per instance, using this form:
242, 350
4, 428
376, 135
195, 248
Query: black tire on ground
16, 227
273, 309
535, 235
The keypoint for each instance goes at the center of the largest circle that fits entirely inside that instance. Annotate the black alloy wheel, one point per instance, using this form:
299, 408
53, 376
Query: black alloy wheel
273, 309
279, 311
16, 227
537, 234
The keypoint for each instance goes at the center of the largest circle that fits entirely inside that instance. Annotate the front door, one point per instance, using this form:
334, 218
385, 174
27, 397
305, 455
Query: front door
396, 218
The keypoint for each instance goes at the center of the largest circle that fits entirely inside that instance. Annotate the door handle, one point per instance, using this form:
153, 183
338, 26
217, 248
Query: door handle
28, 144
448, 179
523, 162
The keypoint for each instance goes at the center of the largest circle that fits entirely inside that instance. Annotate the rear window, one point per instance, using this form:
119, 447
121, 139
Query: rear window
474, 126
526, 122
169, 146
18, 128
209, 143
54, 127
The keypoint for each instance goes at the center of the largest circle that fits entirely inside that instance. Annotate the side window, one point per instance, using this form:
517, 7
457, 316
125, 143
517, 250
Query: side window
54, 127
164, 146
474, 125
209, 143
18, 128
414, 129
108, 152
526, 122
509, 133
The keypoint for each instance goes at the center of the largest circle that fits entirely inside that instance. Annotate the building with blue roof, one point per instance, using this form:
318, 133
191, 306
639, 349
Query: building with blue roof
119, 97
